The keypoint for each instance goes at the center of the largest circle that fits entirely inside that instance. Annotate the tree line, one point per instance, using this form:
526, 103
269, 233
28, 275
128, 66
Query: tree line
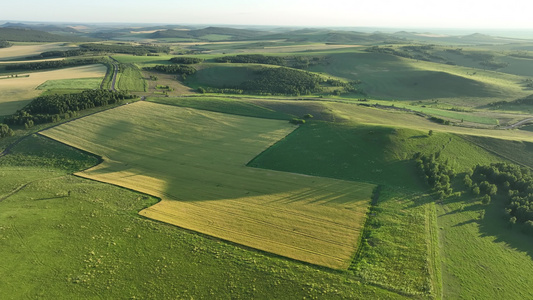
436, 173
186, 60
52, 108
173, 69
298, 62
53, 64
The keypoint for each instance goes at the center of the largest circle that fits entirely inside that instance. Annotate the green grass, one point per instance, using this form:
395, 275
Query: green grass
224, 105
377, 154
64, 237
131, 79
71, 84
483, 258
518, 152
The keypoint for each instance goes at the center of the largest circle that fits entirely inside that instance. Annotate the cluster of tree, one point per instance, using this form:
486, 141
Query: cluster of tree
52, 108
436, 173
125, 49
203, 90
53, 64
59, 53
412, 52
5, 131
455, 51
522, 101
186, 60
253, 59
5, 44
513, 182
283, 81
173, 69
440, 120
490, 64
298, 62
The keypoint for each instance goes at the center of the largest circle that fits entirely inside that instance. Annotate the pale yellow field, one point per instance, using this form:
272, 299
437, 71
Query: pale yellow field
15, 93
23, 51
195, 162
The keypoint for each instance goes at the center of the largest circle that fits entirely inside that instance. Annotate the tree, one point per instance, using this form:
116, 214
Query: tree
430, 132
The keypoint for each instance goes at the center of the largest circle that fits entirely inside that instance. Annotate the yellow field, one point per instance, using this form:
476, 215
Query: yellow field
23, 51
15, 93
195, 162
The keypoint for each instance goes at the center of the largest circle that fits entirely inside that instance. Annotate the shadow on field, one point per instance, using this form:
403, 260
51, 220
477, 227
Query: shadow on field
494, 224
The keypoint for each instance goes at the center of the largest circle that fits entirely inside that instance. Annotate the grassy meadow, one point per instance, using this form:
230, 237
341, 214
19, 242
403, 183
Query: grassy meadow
312, 219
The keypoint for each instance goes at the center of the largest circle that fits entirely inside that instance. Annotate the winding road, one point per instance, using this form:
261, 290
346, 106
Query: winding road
518, 123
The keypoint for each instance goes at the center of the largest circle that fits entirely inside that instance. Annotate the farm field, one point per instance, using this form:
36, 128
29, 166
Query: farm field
63, 236
15, 93
312, 219
131, 79
71, 84
23, 51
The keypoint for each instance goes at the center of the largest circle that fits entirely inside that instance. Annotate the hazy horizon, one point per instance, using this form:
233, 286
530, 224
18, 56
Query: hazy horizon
453, 14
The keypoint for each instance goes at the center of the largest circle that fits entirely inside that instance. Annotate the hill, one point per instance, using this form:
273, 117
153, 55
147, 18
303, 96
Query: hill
30, 35
205, 33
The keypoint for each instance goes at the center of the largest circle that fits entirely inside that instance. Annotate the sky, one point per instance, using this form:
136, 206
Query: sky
329, 13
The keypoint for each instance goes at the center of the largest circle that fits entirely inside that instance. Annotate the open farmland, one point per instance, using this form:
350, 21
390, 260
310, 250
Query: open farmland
15, 93
195, 162
23, 51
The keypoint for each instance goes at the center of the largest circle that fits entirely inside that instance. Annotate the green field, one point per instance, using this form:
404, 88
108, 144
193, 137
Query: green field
71, 84
199, 195
312, 219
130, 79
63, 237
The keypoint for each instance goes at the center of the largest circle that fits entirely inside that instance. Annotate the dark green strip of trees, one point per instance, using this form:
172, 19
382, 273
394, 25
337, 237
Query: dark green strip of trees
125, 49
186, 60
298, 62
52, 108
173, 69
54, 64
283, 81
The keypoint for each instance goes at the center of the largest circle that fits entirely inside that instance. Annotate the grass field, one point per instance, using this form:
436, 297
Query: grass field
71, 84
131, 79
482, 257
194, 161
67, 237
17, 92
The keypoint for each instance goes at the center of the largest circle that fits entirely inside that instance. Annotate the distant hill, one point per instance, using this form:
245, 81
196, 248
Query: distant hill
471, 39
41, 27
30, 35
327, 36
231, 33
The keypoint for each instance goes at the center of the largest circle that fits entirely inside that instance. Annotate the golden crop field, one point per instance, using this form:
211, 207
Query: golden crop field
15, 93
195, 162
23, 51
